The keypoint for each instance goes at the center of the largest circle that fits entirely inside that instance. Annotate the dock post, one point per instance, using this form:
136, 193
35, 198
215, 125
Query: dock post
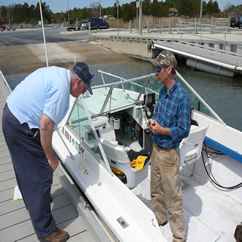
89, 32
212, 25
180, 29
229, 20
130, 26
195, 26
160, 26
169, 26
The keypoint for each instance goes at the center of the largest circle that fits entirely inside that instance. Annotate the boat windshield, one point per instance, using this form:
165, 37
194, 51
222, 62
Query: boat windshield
121, 95
81, 126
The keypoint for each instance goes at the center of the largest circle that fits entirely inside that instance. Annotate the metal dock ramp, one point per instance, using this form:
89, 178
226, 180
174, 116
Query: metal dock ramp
70, 210
199, 53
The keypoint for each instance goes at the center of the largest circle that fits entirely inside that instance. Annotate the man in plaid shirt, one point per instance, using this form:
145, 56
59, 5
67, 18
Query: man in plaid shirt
171, 124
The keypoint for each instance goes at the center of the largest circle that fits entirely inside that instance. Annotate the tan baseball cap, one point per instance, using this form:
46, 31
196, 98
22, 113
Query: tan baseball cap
166, 58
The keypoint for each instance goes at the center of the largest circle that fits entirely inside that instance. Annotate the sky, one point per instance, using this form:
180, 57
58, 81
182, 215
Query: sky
62, 5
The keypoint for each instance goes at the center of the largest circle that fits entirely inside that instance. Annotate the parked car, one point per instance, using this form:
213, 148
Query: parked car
72, 27
2, 27
83, 25
98, 23
11, 28
236, 21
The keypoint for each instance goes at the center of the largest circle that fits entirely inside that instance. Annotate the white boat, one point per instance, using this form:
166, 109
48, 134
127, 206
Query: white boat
99, 131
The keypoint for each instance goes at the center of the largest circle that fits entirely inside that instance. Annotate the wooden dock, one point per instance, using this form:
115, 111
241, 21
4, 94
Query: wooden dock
69, 208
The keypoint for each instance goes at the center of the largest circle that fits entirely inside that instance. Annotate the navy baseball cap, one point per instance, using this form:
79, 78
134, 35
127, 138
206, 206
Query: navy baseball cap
85, 73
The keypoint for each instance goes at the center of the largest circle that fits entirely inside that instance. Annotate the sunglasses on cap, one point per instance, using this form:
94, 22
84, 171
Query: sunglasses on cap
159, 68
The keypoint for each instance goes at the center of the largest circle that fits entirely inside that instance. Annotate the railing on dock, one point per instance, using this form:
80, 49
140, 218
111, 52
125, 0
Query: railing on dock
212, 33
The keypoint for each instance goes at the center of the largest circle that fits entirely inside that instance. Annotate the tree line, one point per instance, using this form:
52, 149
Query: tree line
23, 13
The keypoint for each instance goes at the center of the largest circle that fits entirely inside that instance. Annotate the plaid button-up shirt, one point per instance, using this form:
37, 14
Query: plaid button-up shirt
172, 111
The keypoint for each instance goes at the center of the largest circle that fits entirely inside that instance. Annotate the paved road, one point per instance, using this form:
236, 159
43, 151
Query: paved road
35, 36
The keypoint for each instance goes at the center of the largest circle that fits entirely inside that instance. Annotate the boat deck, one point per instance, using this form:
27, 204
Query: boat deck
210, 214
69, 209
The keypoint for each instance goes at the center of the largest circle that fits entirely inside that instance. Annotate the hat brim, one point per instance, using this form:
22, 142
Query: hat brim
154, 62
89, 89
88, 85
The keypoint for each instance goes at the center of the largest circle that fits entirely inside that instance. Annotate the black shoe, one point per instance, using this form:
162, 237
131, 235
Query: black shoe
162, 224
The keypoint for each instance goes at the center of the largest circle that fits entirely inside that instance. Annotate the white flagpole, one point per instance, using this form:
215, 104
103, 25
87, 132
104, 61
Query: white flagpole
42, 23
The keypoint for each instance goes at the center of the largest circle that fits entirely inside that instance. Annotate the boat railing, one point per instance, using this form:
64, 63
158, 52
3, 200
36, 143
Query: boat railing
96, 137
200, 98
9, 90
124, 81
149, 88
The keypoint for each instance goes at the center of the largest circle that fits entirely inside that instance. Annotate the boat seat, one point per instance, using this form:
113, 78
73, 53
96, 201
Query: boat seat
191, 147
127, 140
107, 133
118, 158
105, 130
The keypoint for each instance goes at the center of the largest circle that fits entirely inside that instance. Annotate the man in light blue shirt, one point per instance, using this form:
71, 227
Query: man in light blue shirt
43, 94
32, 112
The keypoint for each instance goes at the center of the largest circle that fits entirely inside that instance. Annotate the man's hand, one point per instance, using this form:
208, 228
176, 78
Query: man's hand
46, 132
54, 162
156, 128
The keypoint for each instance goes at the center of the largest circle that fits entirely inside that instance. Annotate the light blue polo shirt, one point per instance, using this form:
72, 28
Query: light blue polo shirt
45, 91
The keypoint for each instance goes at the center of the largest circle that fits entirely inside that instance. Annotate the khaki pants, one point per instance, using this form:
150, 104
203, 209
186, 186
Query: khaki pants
166, 192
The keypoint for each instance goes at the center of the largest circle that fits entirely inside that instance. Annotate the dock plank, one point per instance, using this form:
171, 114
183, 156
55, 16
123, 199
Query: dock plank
17, 231
4, 153
8, 184
9, 206
7, 175
72, 226
3, 148
59, 200
5, 161
13, 218
5, 196
5, 165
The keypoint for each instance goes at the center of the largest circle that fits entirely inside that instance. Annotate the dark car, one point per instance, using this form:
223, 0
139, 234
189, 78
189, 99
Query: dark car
236, 21
98, 23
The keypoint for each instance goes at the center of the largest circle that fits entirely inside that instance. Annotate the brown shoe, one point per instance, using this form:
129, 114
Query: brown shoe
57, 236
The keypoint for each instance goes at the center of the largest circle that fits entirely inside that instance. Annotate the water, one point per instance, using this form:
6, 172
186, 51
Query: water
223, 94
